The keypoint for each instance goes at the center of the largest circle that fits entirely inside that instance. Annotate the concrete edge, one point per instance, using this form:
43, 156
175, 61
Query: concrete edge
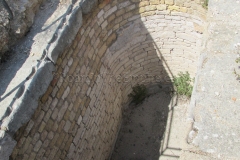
25, 106
194, 98
65, 35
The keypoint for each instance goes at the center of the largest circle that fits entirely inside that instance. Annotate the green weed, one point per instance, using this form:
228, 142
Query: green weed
138, 94
183, 84
205, 4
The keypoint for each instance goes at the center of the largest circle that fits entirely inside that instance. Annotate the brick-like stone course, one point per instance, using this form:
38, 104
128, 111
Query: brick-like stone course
118, 45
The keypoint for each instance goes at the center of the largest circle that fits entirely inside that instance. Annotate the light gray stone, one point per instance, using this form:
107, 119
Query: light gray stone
25, 106
123, 4
66, 92
66, 34
15, 23
7, 144
62, 111
215, 113
87, 5
110, 11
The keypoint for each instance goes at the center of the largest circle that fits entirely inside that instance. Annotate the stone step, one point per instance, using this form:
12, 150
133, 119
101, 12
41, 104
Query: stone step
190, 155
168, 157
172, 151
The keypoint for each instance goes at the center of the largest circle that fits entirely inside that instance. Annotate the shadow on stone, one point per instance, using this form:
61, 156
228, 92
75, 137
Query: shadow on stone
143, 128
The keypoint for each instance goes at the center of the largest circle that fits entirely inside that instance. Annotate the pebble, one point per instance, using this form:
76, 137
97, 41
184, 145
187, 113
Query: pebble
215, 135
217, 93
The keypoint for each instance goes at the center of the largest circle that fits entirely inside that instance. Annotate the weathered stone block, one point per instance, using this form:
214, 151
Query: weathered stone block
186, 37
169, 2
41, 127
161, 7
198, 28
183, 9
67, 126
130, 8
110, 11
87, 5
154, 2
167, 12
104, 24
150, 8
150, 13
173, 8
142, 10
124, 4
37, 146
179, 2
143, 3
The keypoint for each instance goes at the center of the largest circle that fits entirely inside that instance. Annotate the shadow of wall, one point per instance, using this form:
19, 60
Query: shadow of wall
121, 44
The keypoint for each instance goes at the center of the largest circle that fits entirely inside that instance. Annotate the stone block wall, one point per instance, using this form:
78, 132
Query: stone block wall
120, 44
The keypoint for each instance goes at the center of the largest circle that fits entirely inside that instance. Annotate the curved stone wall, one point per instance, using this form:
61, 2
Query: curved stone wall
120, 44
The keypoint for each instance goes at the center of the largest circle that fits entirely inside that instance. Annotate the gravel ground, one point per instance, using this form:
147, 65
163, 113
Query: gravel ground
142, 129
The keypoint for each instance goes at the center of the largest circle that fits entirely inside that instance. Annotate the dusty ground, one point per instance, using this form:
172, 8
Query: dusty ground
157, 129
142, 129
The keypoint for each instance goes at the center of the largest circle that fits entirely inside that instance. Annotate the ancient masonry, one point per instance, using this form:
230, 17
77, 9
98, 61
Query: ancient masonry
118, 44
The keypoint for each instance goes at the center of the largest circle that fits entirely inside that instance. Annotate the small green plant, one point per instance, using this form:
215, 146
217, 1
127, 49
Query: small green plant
183, 84
138, 94
205, 4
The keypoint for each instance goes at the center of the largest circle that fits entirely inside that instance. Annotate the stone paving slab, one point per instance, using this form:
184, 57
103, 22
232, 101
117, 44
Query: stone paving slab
215, 101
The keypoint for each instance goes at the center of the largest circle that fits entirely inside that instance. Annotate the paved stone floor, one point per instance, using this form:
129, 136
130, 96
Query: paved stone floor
215, 101
157, 129
142, 129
